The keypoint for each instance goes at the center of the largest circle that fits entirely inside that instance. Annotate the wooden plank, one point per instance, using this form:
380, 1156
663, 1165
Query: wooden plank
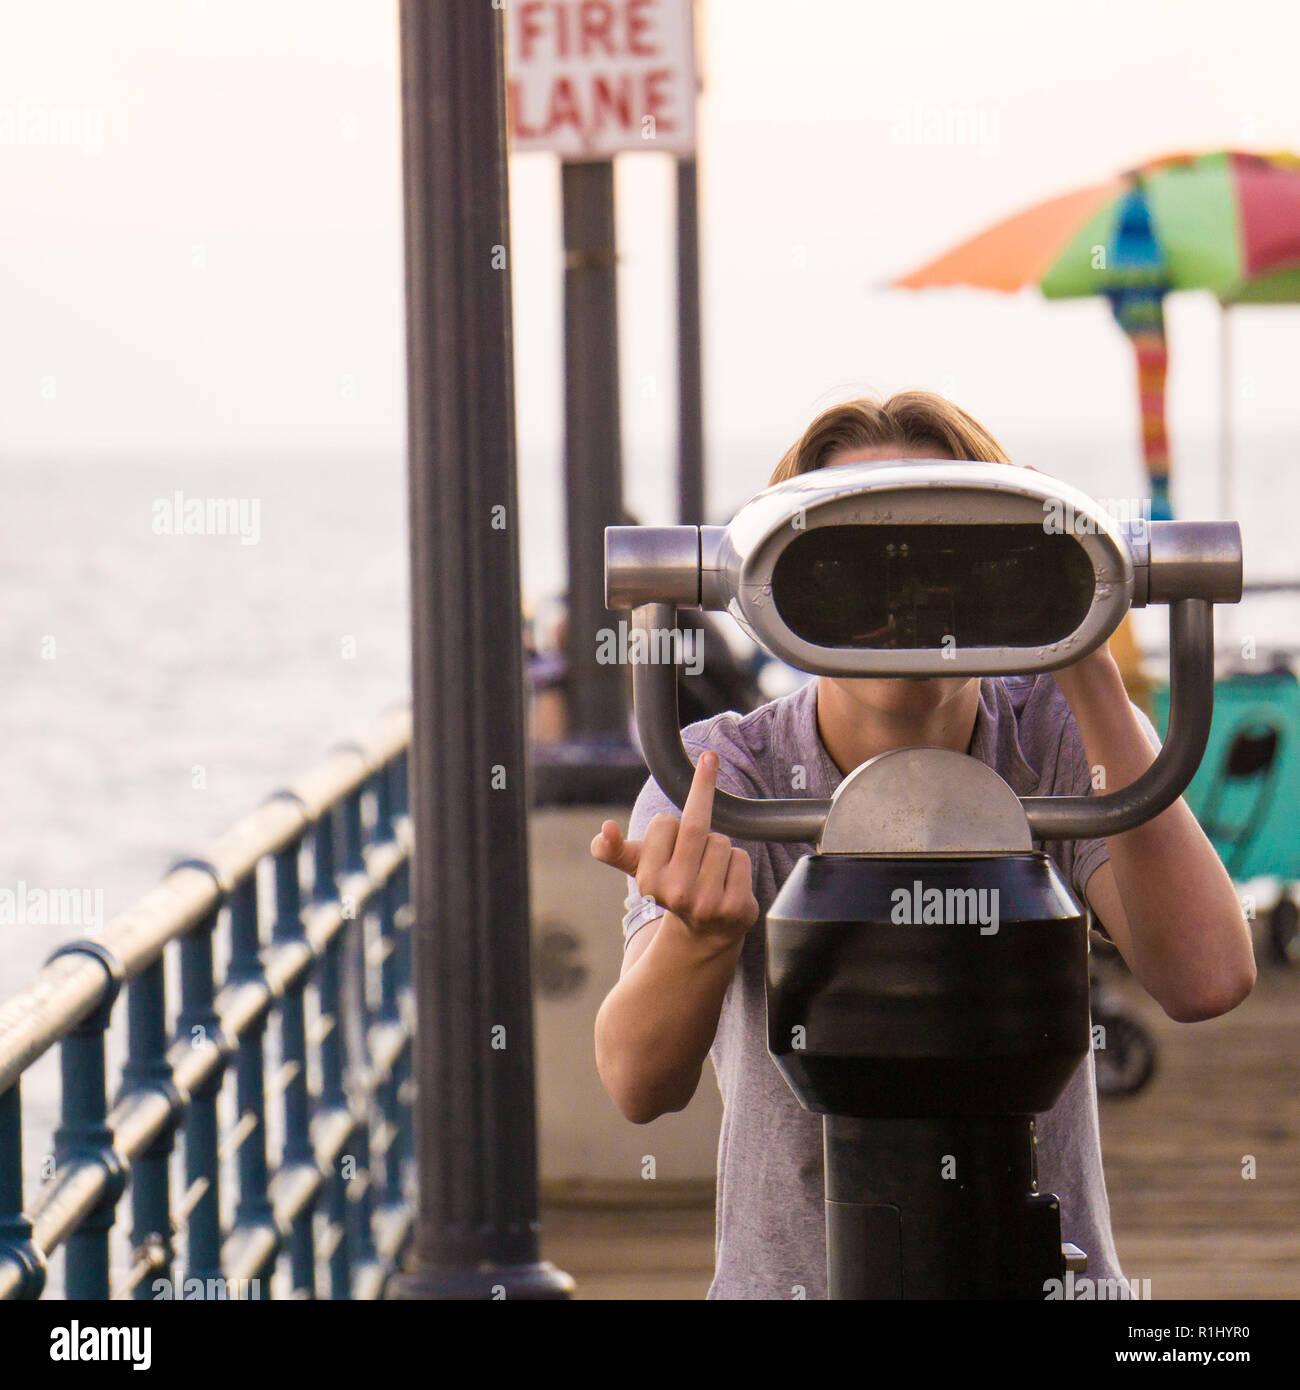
1184, 1216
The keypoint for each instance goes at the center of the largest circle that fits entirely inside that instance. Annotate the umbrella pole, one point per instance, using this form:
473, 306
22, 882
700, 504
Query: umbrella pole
1225, 411
1226, 489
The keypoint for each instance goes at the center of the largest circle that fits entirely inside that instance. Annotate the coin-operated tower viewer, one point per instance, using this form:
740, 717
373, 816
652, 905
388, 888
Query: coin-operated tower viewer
923, 1032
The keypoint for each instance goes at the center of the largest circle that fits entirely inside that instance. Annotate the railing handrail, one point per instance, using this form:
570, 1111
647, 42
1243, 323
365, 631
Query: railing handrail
304, 939
70, 988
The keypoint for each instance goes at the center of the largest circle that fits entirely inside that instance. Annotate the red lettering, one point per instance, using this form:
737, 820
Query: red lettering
514, 103
595, 20
605, 100
655, 100
564, 107
638, 24
529, 29
562, 16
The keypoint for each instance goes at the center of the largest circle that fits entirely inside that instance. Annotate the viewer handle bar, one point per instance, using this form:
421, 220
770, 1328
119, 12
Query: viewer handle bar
654, 690
1191, 707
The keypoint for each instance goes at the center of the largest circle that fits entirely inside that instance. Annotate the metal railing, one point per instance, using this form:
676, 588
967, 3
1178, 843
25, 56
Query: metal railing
325, 955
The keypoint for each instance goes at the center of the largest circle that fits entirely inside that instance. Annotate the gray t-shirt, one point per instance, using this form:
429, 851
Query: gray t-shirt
771, 1232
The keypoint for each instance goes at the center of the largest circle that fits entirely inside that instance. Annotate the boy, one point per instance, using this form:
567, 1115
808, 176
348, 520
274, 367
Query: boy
692, 982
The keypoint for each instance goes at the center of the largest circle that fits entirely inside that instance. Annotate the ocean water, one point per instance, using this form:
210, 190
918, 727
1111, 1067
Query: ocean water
155, 686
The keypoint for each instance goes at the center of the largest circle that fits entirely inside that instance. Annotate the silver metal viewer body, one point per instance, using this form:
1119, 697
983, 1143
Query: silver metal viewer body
931, 568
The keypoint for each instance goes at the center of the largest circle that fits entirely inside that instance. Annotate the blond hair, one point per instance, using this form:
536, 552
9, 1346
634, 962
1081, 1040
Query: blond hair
911, 419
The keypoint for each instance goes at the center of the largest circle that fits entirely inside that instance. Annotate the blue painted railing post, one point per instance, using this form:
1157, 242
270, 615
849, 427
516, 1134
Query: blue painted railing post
147, 1069
15, 1229
254, 1207
401, 795
332, 1094
402, 955
83, 1136
198, 1024
288, 927
389, 1010
360, 1234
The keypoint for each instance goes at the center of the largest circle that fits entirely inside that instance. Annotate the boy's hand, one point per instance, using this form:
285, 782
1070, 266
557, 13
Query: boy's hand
1093, 678
698, 876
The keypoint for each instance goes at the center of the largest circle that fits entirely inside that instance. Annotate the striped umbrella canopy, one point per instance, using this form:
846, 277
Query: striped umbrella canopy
1225, 221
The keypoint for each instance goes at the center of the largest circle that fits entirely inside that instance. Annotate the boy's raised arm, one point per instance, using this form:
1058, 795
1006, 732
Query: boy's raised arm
656, 1026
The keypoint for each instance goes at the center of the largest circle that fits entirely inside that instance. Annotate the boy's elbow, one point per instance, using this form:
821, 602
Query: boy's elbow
642, 1101
638, 1099
1216, 998
638, 1112
631, 1099
635, 1103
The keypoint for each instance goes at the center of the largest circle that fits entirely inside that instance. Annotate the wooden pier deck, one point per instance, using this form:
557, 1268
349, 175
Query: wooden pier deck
1184, 1215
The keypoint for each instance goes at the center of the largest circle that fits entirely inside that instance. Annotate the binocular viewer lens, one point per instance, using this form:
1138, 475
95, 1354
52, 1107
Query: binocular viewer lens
927, 587
924, 568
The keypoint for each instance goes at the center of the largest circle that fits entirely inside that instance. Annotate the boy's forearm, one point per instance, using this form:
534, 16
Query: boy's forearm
656, 1026
1190, 945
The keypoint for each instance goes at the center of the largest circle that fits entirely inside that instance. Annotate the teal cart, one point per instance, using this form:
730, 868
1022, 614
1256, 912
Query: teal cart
1246, 794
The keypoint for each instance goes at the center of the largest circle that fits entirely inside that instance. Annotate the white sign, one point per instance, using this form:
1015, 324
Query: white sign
592, 78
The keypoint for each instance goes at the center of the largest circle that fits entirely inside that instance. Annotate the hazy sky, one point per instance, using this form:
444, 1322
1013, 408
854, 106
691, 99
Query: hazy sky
208, 257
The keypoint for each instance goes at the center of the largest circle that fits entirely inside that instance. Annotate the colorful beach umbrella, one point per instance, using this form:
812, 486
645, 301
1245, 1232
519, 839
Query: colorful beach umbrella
1227, 222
